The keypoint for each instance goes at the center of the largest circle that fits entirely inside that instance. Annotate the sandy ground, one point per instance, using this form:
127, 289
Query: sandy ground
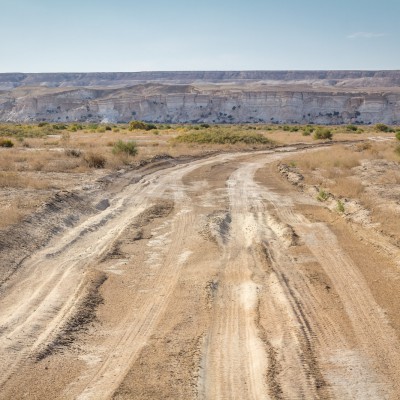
209, 279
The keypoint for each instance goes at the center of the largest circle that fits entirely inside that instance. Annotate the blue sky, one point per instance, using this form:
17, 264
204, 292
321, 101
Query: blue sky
123, 35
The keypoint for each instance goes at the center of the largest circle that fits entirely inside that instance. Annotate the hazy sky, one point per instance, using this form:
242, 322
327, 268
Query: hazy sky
130, 35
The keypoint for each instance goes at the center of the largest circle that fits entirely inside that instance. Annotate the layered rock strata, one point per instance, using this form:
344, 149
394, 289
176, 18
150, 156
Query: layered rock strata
323, 97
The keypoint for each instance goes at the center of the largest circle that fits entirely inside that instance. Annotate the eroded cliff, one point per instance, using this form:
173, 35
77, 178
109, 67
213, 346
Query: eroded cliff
324, 97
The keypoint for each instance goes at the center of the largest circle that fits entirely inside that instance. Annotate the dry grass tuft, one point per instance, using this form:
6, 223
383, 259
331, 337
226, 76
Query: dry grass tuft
95, 160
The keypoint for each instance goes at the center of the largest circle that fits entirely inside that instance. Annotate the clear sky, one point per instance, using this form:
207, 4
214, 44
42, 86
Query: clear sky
131, 35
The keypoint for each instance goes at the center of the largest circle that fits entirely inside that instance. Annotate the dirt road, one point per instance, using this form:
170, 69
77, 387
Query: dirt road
212, 279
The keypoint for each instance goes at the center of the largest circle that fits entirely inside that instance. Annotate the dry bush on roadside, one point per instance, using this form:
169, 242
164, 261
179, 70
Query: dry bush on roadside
348, 187
336, 157
95, 160
10, 215
10, 179
73, 153
6, 143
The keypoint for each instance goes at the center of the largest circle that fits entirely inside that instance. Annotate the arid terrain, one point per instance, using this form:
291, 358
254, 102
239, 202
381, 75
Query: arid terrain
266, 270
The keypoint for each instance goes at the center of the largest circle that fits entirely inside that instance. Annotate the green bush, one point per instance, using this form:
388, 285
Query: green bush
129, 148
322, 195
382, 128
322, 133
135, 125
59, 127
340, 206
351, 128
6, 143
308, 130
398, 135
288, 128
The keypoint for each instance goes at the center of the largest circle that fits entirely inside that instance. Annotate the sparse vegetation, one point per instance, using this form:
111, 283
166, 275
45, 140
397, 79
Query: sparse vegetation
220, 136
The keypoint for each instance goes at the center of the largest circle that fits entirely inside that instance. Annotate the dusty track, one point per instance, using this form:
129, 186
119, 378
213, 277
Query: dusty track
220, 286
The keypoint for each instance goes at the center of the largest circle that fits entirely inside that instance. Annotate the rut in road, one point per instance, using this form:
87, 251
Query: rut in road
305, 353
240, 361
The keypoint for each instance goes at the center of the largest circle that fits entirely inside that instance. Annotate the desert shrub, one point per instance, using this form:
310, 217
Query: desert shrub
129, 148
95, 160
42, 124
322, 195
108, 128
288, 128
59, 127
351, 128
322, 133
73, 153
363, 146
308, 130
135, 125
75, 127
398, 135
340, 206
382, 128
6, 143
205, 125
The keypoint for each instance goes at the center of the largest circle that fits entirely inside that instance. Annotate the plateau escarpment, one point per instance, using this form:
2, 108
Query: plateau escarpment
324, 97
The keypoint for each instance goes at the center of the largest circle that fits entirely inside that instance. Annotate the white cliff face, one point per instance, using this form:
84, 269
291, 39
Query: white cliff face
165, 99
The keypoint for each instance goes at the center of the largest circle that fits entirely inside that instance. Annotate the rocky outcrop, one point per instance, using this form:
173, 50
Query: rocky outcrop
323, 97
